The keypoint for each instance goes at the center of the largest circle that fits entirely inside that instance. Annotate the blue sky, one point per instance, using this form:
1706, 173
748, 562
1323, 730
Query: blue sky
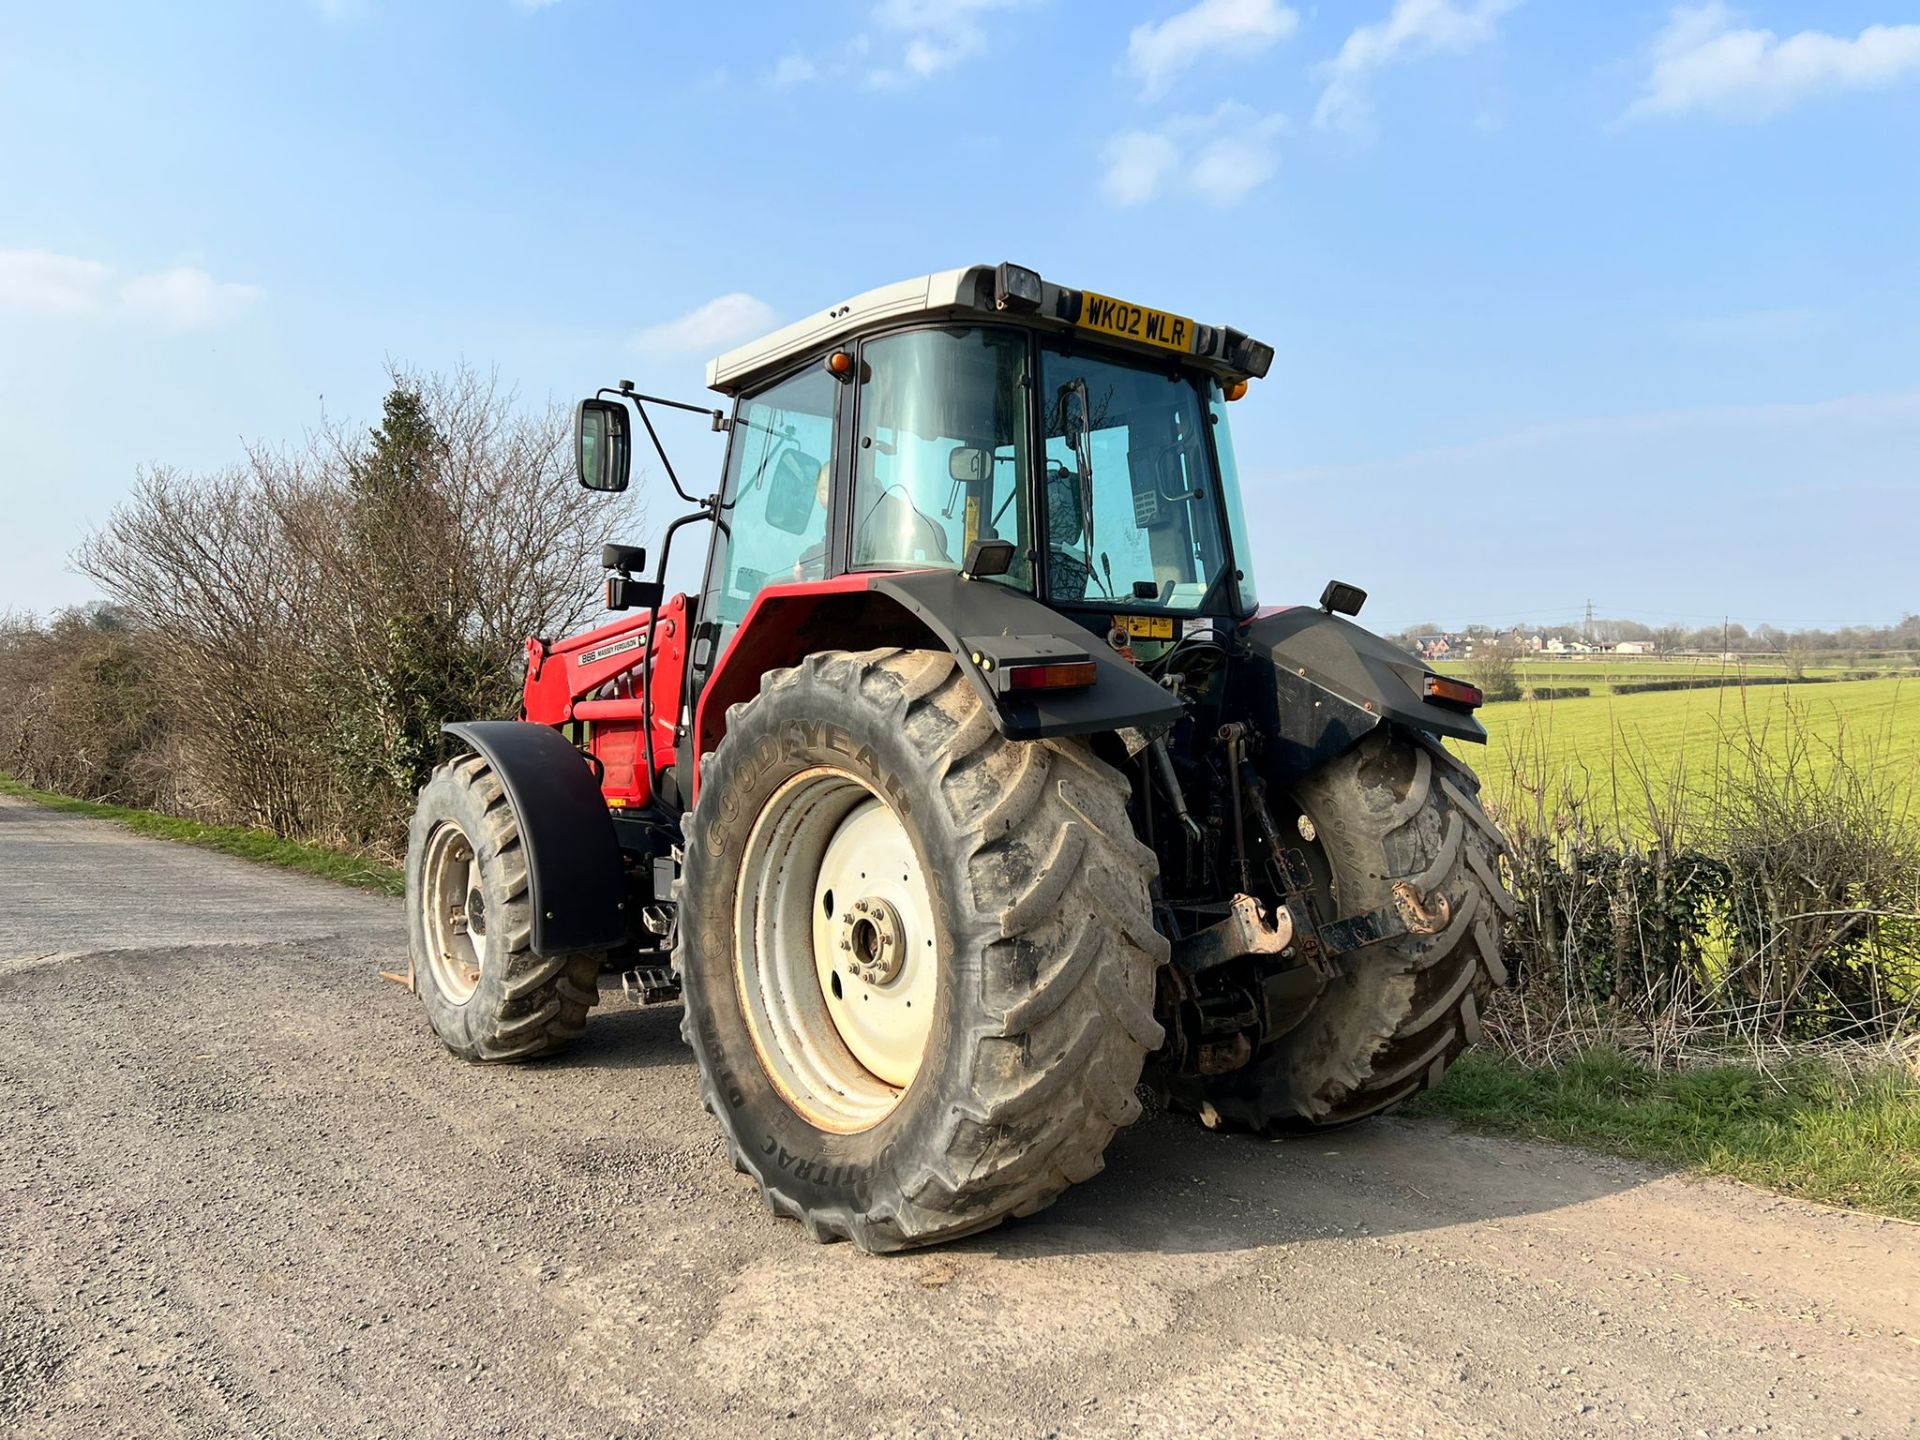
1570, 301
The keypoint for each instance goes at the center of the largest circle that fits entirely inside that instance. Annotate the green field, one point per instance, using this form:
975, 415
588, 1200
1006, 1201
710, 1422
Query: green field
1612, 749
1602, 673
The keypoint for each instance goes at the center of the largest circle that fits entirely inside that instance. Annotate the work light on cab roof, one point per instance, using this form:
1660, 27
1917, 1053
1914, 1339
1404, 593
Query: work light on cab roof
972, 785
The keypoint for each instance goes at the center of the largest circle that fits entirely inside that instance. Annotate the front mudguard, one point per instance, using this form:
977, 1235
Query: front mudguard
1329, 684
576, 882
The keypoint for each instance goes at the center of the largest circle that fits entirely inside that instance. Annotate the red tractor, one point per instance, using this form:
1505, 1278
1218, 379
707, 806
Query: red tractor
974, 786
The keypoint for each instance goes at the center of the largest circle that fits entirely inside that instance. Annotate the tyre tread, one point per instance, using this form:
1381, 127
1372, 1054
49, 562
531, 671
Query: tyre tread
1054, 1054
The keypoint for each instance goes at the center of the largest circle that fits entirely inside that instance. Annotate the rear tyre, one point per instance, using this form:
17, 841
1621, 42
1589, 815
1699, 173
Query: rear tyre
1398, 1013
470, 927
918, 958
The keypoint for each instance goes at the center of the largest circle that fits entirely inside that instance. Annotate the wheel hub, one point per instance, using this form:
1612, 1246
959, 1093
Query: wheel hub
872, 940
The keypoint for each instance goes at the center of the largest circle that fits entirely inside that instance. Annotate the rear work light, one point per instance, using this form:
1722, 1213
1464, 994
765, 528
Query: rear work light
1073, 675
1454, 692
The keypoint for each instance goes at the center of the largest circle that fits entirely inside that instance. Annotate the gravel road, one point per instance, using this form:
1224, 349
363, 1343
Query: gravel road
245, 1192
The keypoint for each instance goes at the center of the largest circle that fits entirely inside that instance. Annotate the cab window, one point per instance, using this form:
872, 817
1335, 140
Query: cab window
773, 511
942, 453
1132, 517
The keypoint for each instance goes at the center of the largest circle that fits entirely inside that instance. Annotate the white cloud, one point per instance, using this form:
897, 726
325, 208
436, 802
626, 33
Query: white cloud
1412, 30
185, 298
794, 69
709, 329
1138, 162
182, 297
939, 34
1158, 53
1219, 158
38, 282
1701, 62
921, 38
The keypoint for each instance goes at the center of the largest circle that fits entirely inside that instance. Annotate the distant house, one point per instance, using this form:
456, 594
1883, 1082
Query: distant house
1557, 646
1433, 647
1634, 647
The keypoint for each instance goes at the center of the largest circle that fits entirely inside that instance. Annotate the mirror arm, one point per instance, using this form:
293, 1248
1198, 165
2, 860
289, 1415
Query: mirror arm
640, 403
626, 391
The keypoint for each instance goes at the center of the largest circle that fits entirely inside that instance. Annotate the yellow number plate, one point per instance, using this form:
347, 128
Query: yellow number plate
1135, 322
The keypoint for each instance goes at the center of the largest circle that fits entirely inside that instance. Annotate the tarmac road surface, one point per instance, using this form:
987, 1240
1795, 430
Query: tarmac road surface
244, 1191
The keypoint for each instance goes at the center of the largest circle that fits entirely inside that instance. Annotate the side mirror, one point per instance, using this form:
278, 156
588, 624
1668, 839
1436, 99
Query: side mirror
603, 442
969, 465
1340, 598
792, 493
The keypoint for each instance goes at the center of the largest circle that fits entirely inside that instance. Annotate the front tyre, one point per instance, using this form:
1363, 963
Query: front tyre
918, 958
470, 926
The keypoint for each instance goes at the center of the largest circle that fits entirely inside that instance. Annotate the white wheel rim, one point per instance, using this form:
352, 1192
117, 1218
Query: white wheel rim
837, 959
455, 913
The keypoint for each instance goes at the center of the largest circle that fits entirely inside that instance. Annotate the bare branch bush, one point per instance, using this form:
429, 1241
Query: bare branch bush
318, 612
206, 569
79, 707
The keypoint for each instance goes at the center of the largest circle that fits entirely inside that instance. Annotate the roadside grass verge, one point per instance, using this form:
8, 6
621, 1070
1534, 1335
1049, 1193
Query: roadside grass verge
256, 845
1811, 1128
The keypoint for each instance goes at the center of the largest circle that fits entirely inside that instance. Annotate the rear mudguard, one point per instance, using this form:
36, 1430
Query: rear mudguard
576, 883
979, 621
983, 623
1332, 683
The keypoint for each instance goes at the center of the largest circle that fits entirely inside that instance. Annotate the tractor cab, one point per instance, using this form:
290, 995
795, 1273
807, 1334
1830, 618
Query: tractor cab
896, 431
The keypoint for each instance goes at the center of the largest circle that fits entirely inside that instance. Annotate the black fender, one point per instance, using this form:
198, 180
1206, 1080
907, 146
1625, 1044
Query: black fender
576, 882
1331, 683
969, 618
985, 624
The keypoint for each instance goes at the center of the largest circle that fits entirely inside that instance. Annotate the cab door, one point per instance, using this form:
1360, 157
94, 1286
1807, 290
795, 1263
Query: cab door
785, 464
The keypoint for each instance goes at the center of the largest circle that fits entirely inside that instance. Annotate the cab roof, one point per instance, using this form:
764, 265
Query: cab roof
1006, 292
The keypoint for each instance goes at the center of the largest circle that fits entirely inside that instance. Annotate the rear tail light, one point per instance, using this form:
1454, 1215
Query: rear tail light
1454, 692
1072, 675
